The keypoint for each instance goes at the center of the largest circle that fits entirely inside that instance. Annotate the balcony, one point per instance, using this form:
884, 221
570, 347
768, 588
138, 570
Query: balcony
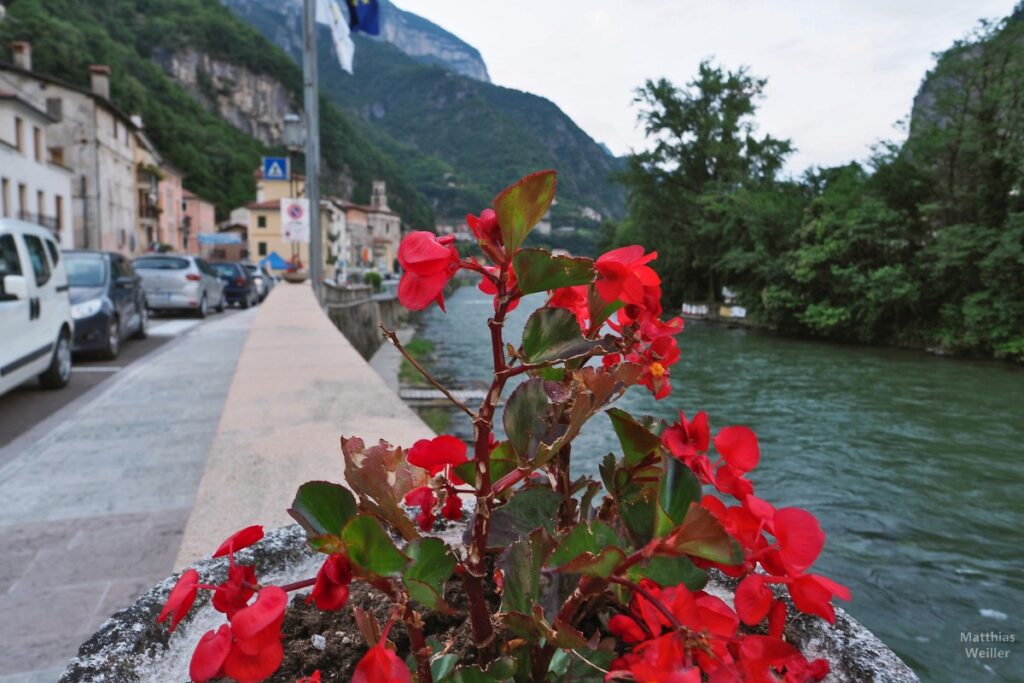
50, 222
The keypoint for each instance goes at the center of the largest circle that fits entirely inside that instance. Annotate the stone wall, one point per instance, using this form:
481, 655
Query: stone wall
357, 312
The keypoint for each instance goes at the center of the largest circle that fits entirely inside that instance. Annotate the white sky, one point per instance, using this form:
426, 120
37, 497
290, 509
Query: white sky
841, 73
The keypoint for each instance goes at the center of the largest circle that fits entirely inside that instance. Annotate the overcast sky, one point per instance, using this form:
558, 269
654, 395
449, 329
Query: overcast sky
841, 73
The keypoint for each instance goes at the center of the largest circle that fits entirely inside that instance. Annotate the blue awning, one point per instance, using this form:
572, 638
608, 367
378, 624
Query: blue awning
275, 262
219, 238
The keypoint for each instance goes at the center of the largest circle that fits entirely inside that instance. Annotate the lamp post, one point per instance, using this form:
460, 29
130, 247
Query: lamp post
312, 106
294, 141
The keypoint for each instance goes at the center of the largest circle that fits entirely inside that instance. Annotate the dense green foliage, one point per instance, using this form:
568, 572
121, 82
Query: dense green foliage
458, 139
925, 248
134, 36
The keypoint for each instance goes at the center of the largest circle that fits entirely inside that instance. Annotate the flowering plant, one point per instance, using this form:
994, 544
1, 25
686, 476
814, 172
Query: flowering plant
561, 583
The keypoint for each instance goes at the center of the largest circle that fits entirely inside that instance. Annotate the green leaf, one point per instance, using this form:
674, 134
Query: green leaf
431, 567
599, 310
371, 549
583, 538
637, 441
701, 535
679, 488
538, 271
526, 416
520, 566
498, 671
670, 571
441, 668
503, 461
552, 334
600, 565
565, 666
521, 206
323, 508
527, 510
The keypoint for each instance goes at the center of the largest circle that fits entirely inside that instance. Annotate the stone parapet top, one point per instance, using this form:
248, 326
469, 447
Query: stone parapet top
298, 387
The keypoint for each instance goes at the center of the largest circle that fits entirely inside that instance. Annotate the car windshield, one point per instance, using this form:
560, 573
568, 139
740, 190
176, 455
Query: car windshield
253, 269
160, 263
225, 269
86, 270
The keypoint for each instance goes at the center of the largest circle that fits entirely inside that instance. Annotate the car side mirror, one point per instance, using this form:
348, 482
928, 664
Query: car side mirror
15, 286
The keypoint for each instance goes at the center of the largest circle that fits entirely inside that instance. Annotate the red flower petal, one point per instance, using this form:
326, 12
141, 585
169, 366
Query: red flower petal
627, 629
180, 600
753, 599
452, 508
800, 538
423, 254
268, 608
435, 454
330, 591
254, 667
424, 498
813, 598
416, 292
239, 540
381, 665
738, 445
315, 678
777, 619
234, 593
209, 655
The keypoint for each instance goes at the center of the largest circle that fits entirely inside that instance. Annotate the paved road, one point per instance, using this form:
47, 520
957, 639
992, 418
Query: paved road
28, 405
94, 498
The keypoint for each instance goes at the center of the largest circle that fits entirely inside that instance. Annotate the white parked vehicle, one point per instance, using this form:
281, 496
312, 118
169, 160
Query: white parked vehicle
175, 282
35, 312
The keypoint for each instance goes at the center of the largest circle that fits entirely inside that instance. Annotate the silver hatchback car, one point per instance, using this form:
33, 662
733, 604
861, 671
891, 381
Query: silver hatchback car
180, 282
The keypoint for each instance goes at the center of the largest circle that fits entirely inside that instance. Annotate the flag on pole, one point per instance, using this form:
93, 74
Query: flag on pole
328, 12
364, 15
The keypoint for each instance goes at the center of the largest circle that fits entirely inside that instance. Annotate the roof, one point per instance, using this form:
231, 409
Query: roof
8, 66
10, 96
346, 204
266, 205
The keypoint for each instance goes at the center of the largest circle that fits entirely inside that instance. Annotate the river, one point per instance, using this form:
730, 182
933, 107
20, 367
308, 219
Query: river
913, 465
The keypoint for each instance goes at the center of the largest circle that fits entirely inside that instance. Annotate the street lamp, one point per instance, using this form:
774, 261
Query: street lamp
294, 133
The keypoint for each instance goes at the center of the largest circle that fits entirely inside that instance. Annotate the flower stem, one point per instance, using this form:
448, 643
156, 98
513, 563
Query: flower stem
393, 338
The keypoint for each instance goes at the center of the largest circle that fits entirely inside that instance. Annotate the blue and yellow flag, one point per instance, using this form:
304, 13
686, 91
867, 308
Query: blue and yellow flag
364, 15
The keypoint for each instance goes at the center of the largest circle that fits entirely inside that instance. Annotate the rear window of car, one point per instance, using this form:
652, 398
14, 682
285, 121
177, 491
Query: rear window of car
86, 270
225, 269
161, 263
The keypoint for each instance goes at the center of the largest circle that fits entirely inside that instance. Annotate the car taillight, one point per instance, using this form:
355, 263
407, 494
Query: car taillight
194, 277
239, 281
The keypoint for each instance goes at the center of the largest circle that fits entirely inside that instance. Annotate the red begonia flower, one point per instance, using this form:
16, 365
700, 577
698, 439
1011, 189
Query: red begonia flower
485, 226
209, 655
330, 591
425, 499
685, 439
452, 508
180, 599
234, 593
573, 299
437, 454
753, 599
315, 678
487, 286
268, 608
627, 629
677, 672
800, 538
777, 619
255, 665
727, 480
624, 273
812, 594
381, 665
239, 540
429, 262
738, 446
656, 360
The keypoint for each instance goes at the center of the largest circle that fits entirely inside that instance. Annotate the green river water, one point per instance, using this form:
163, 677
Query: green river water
913, 465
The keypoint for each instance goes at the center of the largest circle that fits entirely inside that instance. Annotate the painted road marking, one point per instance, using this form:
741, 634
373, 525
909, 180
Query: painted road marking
97, 368
172, 328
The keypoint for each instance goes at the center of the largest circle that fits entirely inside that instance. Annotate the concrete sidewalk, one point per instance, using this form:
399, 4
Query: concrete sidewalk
91, 514
300, 385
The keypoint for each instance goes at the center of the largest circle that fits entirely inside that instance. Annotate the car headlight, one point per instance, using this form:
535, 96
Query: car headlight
86, 308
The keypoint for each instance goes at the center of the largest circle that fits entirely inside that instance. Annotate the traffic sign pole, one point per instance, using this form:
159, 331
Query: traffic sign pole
312, 104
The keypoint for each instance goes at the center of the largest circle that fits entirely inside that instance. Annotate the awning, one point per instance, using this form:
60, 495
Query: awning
275, 262
219, 238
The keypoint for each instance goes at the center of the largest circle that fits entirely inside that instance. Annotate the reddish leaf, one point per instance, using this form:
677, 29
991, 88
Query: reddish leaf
522, 205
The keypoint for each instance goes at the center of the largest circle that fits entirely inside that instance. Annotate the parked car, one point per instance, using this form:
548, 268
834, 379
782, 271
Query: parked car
239, 285
35, 312
175, 282
108, 303
262, 277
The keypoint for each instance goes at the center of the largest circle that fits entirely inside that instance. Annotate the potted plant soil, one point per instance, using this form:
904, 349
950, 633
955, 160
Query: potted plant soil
453, 563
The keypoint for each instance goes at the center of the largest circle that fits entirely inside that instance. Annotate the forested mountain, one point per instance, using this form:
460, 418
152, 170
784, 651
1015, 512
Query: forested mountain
924, 247
145, 42
460, 139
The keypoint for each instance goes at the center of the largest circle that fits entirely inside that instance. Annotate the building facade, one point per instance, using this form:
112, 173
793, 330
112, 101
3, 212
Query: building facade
93, 138
375, 232
200, 219
34, 186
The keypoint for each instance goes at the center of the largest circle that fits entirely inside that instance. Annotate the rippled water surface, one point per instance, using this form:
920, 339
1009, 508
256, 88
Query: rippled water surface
912, 463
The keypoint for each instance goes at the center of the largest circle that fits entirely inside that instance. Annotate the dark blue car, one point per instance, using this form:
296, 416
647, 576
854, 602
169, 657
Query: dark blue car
239, 286
107, 301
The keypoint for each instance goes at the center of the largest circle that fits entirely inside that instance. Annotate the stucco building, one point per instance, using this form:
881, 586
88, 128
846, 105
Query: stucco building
375, 232
200, 219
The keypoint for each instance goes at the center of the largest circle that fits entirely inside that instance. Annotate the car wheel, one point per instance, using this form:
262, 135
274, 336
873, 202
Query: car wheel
246, 302
220, 304
143, 330
58, 374
113, 346
202, 310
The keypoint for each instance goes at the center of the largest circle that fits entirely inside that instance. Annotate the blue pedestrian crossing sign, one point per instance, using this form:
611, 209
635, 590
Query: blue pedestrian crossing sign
275, 168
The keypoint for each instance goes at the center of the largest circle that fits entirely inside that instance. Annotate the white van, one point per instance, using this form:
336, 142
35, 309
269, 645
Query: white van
35, 311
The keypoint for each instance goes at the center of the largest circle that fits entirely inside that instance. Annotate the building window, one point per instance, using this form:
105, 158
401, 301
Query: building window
37, 142
5, 199
262, 248
22, 200
55, 108
40, 205
58, 211
18, 134
261, 221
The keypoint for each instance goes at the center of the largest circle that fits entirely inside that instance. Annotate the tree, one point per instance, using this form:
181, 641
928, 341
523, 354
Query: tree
706, 163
